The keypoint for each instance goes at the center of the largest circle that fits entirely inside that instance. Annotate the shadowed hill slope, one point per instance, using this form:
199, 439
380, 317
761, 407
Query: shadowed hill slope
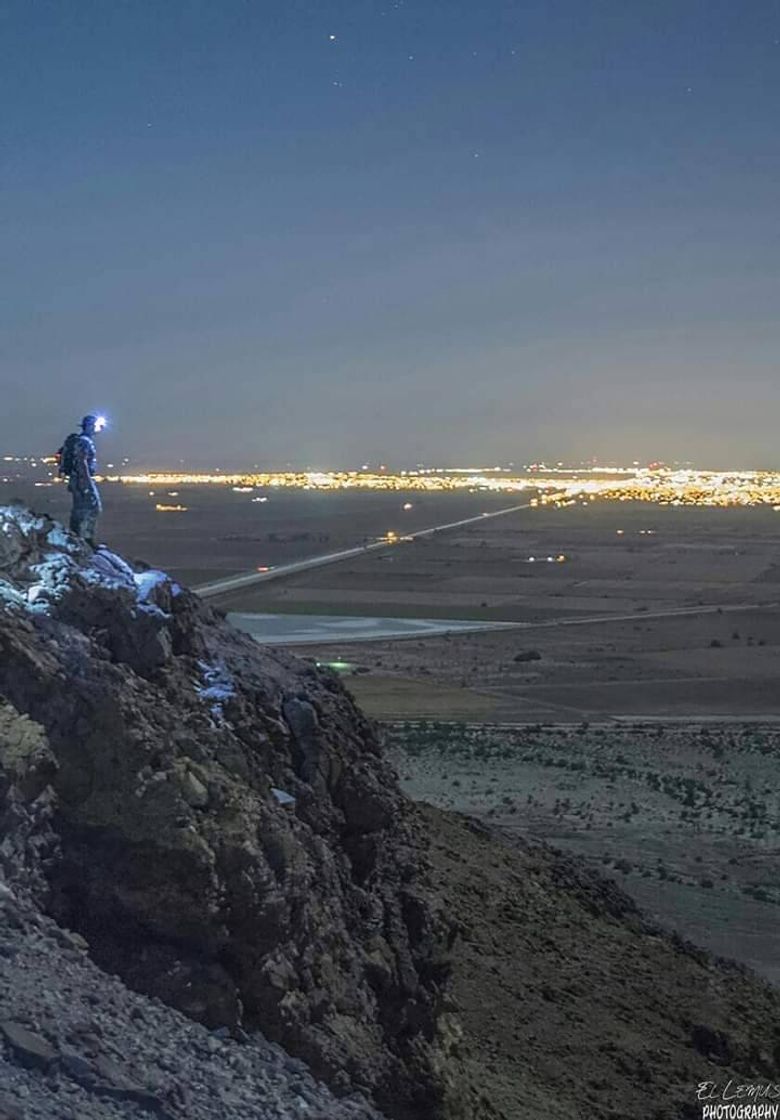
573, 1006
218, 824
227, 834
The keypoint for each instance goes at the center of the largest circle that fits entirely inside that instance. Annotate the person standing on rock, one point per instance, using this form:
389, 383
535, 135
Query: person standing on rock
78, 463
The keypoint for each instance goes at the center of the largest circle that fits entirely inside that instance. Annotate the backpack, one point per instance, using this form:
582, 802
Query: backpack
66, 455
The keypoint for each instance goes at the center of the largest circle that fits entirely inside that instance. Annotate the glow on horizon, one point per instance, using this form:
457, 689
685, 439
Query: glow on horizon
661, 485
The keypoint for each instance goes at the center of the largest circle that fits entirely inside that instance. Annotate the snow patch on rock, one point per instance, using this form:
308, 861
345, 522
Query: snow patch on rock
147, 582
40, 562
282, 797
218, 687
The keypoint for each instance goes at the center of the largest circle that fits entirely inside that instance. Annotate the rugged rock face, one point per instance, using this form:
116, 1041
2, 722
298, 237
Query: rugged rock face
217, 821
76, 1044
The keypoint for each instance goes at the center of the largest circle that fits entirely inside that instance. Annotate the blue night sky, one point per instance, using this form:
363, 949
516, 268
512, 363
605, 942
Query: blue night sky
399, 230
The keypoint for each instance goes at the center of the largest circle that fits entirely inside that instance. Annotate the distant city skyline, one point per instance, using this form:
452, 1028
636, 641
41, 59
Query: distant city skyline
559, 487
415, 231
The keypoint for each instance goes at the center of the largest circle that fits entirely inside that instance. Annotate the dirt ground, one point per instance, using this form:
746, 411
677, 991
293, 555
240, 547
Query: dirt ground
573, 1007
654, 611
687, 820
682, 816
626, 566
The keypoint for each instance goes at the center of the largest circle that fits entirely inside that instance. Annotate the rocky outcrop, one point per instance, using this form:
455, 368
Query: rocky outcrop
28, 844
76, 1043
217, 821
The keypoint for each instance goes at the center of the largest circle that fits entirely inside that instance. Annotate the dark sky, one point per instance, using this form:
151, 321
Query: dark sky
399, 230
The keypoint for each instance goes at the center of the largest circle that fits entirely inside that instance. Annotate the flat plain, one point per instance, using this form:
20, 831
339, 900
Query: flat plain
223, 532
631, 717
687, 820
653, 611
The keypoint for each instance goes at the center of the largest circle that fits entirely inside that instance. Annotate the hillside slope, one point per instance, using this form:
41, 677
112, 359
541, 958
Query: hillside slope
215, 827
572, 1005
224, 830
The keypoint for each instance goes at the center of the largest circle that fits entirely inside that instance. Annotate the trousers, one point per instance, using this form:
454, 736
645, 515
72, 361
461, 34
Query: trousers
85, 512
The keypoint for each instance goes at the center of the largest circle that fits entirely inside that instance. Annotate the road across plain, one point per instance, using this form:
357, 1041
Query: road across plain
230, 584
671, 612
282, 629
249, 579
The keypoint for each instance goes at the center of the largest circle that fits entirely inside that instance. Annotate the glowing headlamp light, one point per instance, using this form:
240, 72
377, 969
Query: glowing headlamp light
100, 423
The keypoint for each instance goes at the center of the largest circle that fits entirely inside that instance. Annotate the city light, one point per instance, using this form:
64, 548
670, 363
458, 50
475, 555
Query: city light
662, 485
538, 484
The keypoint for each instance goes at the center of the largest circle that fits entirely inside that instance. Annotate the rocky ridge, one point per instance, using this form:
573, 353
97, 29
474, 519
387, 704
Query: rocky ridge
184, 814
76, 1044
217, 822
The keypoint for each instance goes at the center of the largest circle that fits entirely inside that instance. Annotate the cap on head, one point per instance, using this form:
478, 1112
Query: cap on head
93, 423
